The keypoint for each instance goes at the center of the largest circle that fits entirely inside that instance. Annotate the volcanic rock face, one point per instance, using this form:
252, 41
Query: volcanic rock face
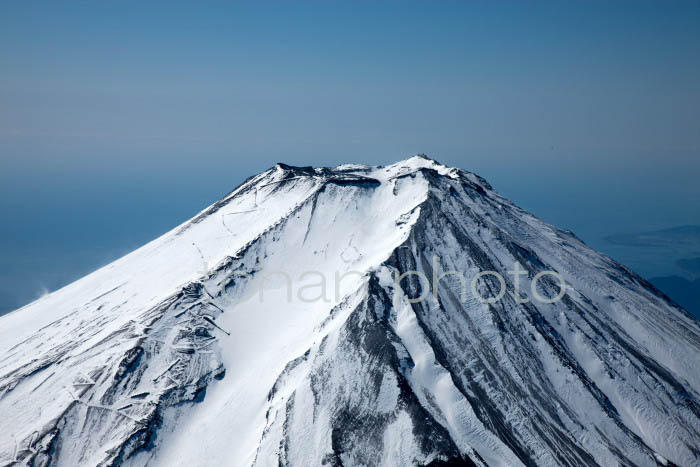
337, 317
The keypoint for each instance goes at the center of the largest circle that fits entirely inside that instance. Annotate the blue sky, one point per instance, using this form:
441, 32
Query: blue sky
119, 120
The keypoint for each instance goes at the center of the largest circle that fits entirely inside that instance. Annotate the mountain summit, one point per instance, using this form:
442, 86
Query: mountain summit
354, 316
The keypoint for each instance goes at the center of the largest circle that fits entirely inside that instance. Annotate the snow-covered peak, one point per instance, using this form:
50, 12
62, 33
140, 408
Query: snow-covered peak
379, 172
267, 331
420, 161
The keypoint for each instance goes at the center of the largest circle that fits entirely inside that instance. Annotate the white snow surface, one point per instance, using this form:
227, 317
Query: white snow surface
196, 350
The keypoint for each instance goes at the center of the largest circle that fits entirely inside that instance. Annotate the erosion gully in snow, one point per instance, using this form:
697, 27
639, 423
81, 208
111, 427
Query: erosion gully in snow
205, 347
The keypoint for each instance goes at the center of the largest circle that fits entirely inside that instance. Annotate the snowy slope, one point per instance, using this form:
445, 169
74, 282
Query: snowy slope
195, 350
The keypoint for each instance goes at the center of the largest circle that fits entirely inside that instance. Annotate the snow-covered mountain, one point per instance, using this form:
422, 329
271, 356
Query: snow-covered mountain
218, 344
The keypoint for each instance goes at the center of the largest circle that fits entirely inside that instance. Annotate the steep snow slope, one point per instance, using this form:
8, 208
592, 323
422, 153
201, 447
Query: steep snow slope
217, 345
